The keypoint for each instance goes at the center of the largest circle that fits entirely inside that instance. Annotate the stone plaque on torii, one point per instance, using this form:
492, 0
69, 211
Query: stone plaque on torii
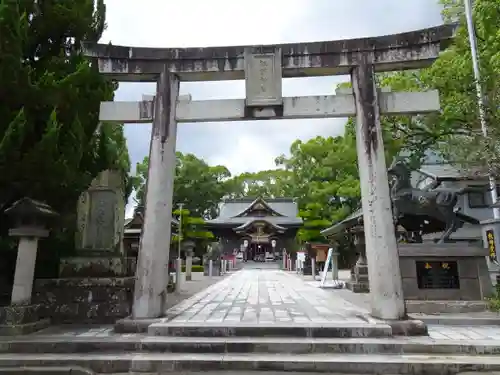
263, 68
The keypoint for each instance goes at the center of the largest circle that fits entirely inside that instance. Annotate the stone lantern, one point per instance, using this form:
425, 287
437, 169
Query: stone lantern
189, 246
359, 282
30, 222
309, 255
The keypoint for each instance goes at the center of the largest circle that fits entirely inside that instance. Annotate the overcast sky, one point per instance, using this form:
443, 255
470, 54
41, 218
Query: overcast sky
250, 146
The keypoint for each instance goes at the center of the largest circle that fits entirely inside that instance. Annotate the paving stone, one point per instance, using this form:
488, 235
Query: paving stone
265, 296
464, 333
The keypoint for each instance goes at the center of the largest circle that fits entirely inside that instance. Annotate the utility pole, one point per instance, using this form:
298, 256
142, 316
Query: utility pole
178, 266
490, 228
480, 97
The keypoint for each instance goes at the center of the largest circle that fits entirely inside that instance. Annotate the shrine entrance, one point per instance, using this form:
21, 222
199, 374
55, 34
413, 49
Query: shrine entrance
259, 227
263, 68
262, 246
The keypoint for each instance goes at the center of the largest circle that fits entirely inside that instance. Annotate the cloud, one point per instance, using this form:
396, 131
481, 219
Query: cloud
250, 146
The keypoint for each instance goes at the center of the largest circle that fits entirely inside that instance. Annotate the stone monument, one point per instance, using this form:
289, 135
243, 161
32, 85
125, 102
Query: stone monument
95, 284
100, 226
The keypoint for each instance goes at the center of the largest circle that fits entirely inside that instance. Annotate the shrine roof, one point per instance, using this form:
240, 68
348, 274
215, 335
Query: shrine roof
249, 222
136, 221
432, 225
230, 212
341, 226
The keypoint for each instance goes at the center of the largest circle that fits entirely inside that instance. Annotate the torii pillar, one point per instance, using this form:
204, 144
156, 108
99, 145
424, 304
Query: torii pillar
152, 264
386, 287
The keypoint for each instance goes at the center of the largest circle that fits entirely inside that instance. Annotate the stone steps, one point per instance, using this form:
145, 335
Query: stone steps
42, 370
235, 345
276, 329
162, 363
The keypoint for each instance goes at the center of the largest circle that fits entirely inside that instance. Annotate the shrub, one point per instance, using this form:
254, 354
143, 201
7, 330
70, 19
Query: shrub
494, 301
194, 268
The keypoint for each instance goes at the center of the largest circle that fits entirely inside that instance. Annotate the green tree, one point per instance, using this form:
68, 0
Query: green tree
322, 169
456, 129
271, 183
199, 186
314, 223
458, 95
192, 228
51, 142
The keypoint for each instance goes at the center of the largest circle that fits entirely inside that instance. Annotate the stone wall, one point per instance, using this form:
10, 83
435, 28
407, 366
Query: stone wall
90, 300
96, 289
97, 266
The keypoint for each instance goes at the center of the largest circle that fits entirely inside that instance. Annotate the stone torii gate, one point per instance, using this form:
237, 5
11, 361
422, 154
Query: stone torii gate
263, 68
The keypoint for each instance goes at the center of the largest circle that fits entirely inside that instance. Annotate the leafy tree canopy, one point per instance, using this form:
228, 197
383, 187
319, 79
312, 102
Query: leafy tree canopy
199, 186
51, 142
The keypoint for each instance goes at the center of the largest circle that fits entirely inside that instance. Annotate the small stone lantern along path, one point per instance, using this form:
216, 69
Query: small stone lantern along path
30, 219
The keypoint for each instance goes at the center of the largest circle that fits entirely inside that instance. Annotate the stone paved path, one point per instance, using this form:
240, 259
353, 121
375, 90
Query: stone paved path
254, 295
265, 296
464, 333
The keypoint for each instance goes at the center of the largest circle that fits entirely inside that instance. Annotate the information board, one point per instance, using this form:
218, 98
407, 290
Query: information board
437, 275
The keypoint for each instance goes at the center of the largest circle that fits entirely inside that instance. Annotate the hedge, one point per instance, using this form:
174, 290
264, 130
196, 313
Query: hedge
194, 268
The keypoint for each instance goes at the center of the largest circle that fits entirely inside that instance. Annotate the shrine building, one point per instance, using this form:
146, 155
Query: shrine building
256, 227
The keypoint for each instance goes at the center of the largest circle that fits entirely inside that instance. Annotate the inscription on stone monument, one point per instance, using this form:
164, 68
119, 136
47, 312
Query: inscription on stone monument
437, 275
101, 223
263, 79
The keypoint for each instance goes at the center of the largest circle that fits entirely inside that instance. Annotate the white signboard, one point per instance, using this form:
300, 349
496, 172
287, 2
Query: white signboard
329, 259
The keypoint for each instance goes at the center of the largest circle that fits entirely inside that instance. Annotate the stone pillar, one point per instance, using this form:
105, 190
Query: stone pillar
309, 254
491, 240
154, 249
25, 270
178, 274
335, 262
313, 267
386, 290
189, 265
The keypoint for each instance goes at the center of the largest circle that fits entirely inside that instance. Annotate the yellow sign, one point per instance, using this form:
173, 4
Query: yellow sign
490, 236
428, 266
445, 266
